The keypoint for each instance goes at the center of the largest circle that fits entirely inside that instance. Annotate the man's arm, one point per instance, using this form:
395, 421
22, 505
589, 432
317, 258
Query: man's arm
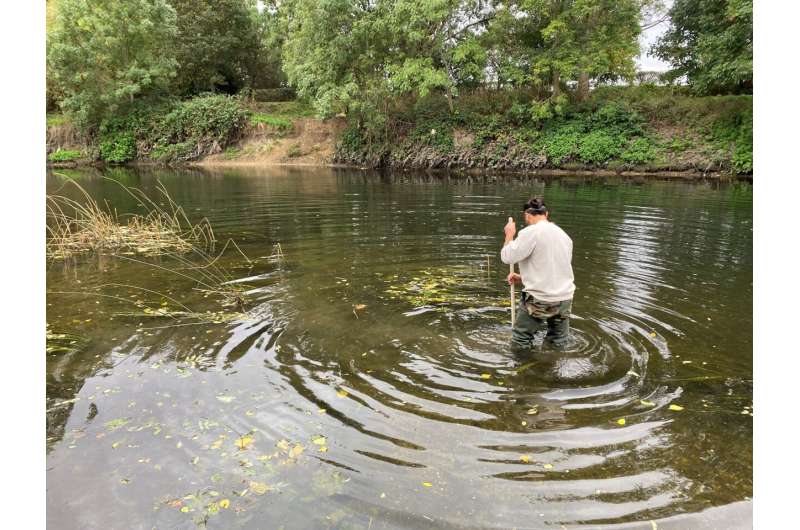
515, 250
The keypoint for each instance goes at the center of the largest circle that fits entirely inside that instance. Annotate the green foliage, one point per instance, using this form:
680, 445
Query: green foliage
711, 43
217, 45
64, 155
104, 54
173, 131
54, 120
198, 126
598, 147
282, 124
639, 151
118, 147
733, 133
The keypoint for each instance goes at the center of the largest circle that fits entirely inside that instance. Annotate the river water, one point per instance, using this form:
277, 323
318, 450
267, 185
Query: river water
367, 381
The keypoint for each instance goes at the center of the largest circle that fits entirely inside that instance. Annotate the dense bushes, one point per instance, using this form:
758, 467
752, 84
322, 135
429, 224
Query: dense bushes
176, 131
618, 127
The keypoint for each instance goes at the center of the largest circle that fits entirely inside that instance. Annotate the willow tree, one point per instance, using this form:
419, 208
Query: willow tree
103, 53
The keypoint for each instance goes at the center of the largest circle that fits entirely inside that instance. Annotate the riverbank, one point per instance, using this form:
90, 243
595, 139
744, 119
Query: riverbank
624, 131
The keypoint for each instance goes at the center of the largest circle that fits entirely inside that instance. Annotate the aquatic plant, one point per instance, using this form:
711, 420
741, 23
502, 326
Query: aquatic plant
80, 226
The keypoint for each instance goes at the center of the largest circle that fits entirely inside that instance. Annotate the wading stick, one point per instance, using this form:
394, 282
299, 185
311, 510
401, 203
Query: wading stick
513, 297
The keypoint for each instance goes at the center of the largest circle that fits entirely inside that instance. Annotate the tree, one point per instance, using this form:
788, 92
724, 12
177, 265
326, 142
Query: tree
710, 42
554, 41
217, 45
102, 54
352, 56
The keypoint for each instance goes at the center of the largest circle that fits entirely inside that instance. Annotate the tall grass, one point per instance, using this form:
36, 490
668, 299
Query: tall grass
81, 226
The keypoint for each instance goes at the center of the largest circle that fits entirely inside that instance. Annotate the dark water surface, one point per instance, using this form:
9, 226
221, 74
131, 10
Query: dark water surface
410, 412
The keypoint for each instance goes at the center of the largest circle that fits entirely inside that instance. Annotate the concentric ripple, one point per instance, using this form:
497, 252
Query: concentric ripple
383, 339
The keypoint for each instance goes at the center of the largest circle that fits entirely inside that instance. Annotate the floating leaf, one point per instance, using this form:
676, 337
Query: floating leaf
533, 411
647, 403
295, 451
224, 503
323, 449
114, 445
249, 413
427, 484
318, 439
548, 466
652, 333
225, 399
244, 442
675, 407
359, 307
621, 421
185, 509
117, 423
486, 376
525, 458
195, 460
631, 372
342, 393
259, 488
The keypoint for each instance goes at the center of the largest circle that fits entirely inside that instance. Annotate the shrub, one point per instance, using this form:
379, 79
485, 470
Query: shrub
118, 147
598, 147
64, 155
639, 151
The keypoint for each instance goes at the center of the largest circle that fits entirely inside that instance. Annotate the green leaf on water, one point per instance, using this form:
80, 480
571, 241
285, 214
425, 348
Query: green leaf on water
117, 423
427, 484
674, 407
621, 421
486, 376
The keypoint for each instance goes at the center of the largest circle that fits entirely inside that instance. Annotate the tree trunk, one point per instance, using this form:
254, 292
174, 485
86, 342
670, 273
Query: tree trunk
583, 86
556, 83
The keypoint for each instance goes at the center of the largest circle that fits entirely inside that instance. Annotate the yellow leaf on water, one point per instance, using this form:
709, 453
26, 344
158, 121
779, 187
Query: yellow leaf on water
185, 509
342, 393
244, 442
224, 503
259, 488
675, 407
647, 403
486, 376
427, 484
531, 412
249, 413
621, 421
318, 439
652, 333
323, 449
295, 451
548, 466
525, 458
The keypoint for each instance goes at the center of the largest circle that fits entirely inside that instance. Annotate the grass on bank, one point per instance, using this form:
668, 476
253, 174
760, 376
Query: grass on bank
65, 155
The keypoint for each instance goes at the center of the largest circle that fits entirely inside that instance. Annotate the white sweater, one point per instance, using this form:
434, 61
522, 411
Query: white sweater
544, 253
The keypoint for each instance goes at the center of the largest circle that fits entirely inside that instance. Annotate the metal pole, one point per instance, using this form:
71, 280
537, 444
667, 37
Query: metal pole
513, 300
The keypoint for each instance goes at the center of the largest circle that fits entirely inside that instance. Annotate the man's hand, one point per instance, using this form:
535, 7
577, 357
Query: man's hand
510, 229
513, 278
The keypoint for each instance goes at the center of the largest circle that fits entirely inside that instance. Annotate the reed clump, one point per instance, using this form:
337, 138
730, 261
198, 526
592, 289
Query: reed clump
78, 226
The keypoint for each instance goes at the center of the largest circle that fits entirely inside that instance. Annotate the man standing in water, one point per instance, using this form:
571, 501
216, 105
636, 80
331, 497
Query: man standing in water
544, 253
